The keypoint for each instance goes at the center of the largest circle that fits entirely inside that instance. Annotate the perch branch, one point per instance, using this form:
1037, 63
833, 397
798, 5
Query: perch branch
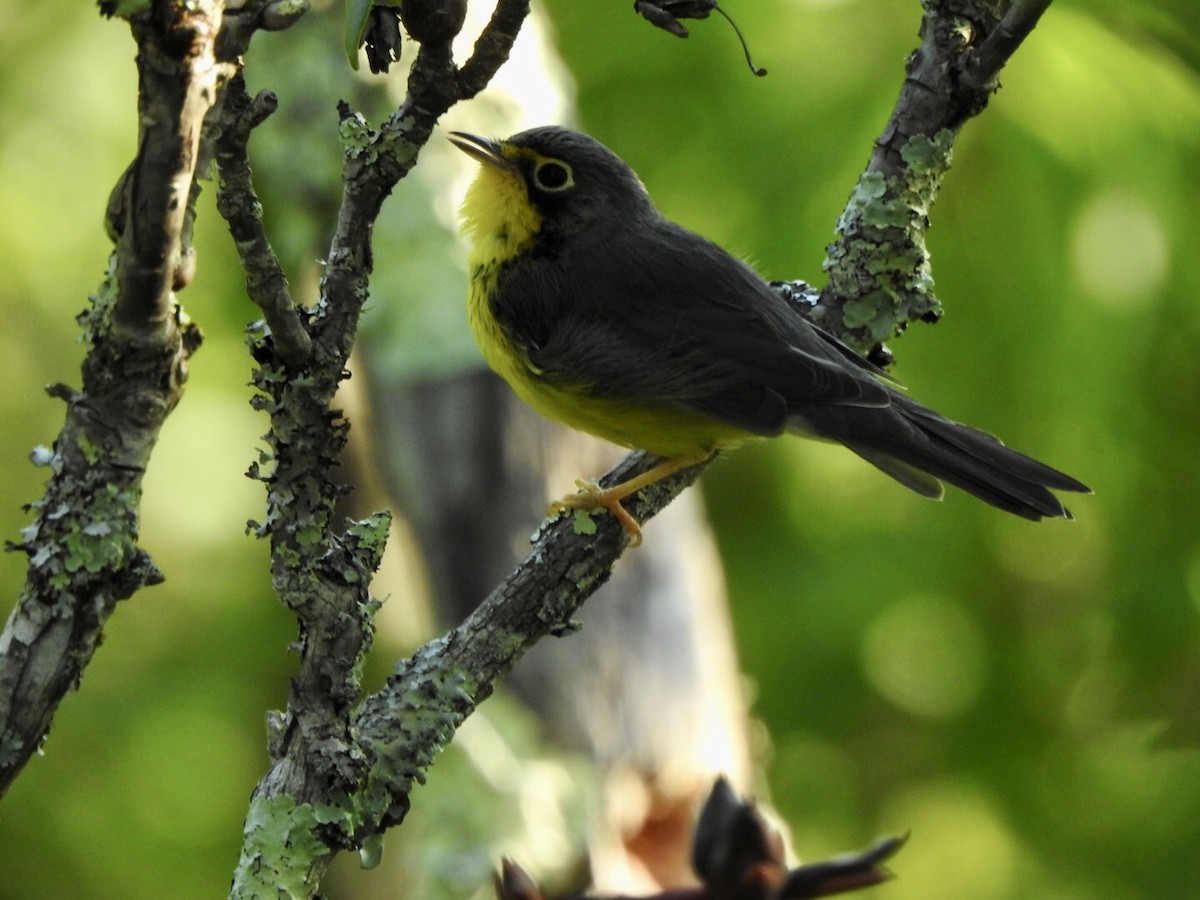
405, 724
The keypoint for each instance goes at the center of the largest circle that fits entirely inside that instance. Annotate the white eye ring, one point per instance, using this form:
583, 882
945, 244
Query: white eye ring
553, 176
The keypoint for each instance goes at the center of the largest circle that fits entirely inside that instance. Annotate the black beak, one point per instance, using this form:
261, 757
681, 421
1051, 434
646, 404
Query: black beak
486, 151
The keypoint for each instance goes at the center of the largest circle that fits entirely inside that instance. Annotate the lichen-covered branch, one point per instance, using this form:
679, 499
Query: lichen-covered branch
266, 282
878, 265
178, 77
82, 544
405, 724
376, 159
312, 801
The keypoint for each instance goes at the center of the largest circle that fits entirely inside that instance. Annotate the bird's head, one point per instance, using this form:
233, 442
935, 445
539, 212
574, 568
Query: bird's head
548, 181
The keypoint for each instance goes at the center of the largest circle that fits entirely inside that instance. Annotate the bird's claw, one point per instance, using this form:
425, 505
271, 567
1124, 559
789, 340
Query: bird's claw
592, 496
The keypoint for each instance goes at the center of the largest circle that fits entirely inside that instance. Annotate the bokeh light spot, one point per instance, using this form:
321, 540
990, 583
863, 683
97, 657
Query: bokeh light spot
926, 655
1057, 554
960, 847
1119, 250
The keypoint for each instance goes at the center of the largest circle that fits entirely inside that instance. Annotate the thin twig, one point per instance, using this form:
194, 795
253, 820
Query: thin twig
879, 274
492, 48
237, 202
991, 56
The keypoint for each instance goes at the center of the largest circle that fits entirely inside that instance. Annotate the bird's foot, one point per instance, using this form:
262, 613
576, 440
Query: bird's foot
592, 496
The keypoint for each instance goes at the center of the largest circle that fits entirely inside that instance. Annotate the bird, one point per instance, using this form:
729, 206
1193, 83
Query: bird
602, 314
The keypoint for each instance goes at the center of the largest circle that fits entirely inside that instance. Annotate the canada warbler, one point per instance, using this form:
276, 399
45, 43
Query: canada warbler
603, 315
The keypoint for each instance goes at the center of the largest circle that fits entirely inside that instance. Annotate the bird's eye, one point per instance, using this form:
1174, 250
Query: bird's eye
553, 176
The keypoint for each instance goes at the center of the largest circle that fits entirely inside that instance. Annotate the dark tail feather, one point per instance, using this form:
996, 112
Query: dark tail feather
924, 444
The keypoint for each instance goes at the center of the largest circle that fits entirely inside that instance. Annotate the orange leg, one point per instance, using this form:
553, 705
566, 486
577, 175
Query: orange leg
592, 496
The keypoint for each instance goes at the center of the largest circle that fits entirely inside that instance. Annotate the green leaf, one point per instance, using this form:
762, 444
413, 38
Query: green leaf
357, 13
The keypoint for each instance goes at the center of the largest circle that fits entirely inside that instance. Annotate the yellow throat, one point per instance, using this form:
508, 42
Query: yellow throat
497, 218
500, 223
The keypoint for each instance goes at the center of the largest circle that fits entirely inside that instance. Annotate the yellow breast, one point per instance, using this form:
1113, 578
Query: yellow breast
501, 224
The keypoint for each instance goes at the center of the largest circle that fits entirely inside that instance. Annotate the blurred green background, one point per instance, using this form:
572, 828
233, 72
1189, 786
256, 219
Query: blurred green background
1025, 699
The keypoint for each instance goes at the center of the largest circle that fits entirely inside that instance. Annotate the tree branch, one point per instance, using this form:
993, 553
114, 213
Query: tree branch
178, 75
492, 49
266, 283
406, 723
984, 65
878, 265
82, 545
316, 794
